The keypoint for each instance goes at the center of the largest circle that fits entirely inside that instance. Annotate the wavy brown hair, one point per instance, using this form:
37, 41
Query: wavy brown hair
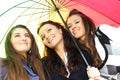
55, 63
16, 71
88, 43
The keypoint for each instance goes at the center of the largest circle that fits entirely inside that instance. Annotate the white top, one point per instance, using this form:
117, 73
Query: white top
114, 34
66, 64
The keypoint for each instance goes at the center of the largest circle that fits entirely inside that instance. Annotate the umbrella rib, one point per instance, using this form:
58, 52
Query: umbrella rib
50, 6
49, 3
51, 15
47, 10
63, 10
33, 8
41, 3
67, 4
13, 7
35, 13
22, 7
61, 1
36, 18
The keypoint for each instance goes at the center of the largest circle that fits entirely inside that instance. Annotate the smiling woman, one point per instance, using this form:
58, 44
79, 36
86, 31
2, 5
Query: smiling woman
38, 41
20, 47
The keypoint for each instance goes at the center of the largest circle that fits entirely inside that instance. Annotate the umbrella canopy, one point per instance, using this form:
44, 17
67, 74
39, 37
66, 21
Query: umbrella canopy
29, 12
32, 12
108, 8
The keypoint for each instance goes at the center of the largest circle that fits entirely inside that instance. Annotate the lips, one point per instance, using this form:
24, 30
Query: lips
50, 39
75, 31
23, 43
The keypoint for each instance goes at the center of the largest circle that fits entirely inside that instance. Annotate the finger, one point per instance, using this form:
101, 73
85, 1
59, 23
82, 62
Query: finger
88, 68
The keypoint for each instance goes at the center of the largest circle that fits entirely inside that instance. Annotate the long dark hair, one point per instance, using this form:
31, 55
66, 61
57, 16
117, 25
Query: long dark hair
55, 63
16, 70
90, 30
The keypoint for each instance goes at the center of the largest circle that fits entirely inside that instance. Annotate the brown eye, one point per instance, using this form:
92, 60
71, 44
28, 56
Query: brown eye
27, 35
69, 26
49, 30
76, 22
17, 35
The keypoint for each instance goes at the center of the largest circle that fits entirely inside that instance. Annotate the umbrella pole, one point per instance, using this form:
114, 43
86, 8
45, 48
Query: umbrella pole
70, 33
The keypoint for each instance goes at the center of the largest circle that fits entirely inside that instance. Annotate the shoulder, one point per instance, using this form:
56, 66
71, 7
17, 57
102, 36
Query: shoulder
45, 60
3, 68
3, 62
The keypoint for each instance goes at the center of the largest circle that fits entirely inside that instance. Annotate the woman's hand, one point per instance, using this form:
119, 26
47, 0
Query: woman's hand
93, 73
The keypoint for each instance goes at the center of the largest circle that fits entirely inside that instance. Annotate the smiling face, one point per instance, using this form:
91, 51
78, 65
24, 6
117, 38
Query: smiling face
51, 35
20, 40
76, 26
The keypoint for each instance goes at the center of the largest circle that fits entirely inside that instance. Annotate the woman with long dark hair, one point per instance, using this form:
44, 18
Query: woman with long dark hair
22, 60
62, 60
95, 39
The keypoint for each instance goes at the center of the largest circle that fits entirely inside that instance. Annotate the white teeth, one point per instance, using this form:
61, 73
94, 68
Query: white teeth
50, 40
75, 31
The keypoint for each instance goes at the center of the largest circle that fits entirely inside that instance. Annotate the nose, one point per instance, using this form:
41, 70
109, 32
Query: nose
72, 27
24, 38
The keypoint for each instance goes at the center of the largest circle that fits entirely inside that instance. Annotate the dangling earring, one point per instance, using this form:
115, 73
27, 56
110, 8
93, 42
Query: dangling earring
91, 33
29, 51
